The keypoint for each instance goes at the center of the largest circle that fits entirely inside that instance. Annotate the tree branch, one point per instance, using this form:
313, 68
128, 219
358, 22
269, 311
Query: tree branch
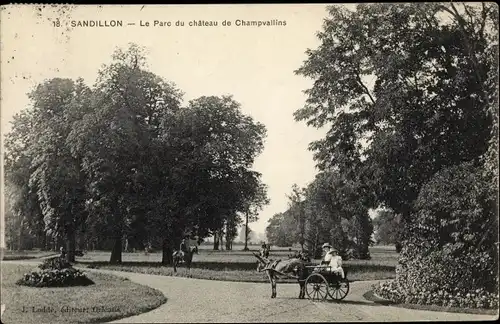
462, 25
471, 18
367, 92
484, 16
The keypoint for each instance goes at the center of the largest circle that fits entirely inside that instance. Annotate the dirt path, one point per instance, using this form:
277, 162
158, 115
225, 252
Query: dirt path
197, 300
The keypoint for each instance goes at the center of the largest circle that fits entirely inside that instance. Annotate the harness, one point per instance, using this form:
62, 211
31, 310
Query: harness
272, 266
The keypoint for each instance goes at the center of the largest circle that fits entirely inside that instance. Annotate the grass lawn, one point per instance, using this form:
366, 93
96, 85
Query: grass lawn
237, 265
26, 255
109, 298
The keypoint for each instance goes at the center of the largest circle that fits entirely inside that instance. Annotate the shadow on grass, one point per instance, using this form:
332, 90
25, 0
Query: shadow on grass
18, 257
370, 295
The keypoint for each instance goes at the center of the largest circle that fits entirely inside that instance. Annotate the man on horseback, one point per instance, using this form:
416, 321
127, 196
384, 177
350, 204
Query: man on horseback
183, 249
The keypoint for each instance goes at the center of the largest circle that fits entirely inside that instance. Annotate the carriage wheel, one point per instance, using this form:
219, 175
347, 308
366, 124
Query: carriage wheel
316, 287
339, 289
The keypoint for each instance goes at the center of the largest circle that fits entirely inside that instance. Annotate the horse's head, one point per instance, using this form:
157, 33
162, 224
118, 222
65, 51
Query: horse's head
304, 256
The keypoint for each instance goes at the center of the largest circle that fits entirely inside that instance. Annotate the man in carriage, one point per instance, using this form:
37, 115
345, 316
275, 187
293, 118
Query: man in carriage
332, 261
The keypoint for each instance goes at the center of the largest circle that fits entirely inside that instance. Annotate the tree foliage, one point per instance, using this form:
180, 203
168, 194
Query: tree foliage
386, 227
417, 115
123, 161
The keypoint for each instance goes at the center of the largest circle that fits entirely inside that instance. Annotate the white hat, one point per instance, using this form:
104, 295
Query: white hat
326, 245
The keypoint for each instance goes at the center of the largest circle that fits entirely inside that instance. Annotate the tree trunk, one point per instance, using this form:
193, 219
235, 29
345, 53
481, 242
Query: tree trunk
70, 246
45, 241
221, 238
126, 245
20, 238
167, 251
246, 233
228, 236
116, 252
216, 241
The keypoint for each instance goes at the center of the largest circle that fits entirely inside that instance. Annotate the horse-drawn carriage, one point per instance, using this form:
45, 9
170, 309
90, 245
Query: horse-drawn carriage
323, 283
317, 281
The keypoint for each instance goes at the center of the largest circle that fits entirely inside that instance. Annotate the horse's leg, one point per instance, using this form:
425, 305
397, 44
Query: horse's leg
302, 282
270, 276
302, 290
274, 285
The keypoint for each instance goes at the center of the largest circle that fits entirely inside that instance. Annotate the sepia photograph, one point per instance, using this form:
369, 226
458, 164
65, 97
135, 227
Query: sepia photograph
249, 163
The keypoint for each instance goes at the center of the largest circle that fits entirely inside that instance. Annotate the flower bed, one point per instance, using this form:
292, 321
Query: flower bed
55, 272
55, 278
475, 299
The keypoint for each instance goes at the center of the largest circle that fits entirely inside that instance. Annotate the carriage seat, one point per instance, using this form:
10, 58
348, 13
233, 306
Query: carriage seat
326, 272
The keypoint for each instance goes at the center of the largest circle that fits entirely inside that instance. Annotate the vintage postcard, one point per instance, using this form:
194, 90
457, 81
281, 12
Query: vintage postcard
249, 163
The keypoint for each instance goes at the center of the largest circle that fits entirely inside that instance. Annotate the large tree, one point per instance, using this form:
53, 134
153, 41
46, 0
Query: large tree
255, 204
282, 230
225, 143
40, 163
296, 208
117, 143
330, 199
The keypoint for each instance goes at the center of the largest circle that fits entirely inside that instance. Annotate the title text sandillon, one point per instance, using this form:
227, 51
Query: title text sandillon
96, 23
192, 23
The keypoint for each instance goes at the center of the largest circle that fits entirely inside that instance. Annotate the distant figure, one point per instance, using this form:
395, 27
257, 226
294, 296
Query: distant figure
147, 249
264, 251
63, 252
183, 248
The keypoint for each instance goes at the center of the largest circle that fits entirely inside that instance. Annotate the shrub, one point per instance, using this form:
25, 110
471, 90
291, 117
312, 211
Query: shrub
450, 257
55, 278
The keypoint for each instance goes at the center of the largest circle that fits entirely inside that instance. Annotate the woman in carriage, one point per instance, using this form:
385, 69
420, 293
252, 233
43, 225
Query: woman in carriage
332, 261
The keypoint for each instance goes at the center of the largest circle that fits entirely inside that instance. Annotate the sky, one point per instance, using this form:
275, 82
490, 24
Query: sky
254, 64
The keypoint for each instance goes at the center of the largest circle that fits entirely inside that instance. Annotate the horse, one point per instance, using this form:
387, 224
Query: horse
187, 258
292, 268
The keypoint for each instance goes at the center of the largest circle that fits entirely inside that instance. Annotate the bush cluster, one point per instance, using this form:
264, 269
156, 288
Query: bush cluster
55, 272
443, 279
